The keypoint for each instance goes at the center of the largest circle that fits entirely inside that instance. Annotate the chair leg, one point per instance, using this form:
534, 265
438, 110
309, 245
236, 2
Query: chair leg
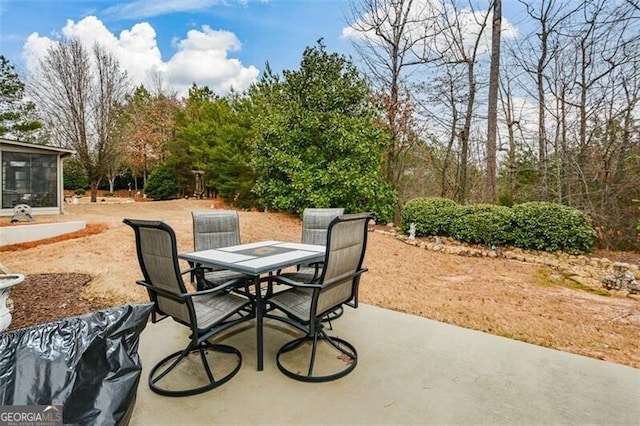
205, 363
159, 371
335, 314
348, 355
312, 361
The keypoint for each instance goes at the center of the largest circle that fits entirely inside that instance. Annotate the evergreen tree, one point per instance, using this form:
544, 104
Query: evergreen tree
316, 144
17, 115
211, 135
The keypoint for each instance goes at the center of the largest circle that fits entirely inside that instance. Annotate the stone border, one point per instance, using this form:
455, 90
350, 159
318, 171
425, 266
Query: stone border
597, 273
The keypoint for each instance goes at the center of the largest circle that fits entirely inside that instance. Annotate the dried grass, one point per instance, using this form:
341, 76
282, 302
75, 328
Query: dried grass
503, 297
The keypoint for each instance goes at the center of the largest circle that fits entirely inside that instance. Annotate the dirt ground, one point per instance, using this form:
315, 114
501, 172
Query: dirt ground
499, 296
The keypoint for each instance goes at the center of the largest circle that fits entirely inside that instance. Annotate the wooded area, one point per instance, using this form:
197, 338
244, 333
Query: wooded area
436, 102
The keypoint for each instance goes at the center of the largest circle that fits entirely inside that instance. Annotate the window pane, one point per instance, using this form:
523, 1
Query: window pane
29, 179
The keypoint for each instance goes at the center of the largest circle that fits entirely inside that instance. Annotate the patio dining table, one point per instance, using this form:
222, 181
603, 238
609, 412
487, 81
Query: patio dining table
257, 259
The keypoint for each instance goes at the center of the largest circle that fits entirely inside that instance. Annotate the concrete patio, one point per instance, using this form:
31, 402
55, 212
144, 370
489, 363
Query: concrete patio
410, 370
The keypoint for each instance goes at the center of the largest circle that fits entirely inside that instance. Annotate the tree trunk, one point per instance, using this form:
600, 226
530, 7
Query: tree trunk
542, 138
492, 122
465, 134
94, 190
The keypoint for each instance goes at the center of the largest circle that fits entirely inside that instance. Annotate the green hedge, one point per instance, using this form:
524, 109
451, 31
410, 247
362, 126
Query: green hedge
533, 225
488, 224
549, 226
432, 215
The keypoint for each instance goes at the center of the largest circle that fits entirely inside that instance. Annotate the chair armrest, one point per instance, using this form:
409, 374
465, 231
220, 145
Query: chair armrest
198, 272
344, 277
284, 280
222, 287
182, 296
179, 297
195, 269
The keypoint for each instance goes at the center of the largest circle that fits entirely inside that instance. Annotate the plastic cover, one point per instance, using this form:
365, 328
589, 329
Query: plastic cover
88, 364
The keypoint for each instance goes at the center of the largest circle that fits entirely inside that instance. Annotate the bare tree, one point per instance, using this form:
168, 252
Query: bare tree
584, 70
79, 93
634, 4
492, 119
392, 37
506, 99
148, 121
535, 53
461, 48
449, 95
600, 55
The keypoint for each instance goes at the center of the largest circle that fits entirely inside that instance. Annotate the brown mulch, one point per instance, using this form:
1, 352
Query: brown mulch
48, 297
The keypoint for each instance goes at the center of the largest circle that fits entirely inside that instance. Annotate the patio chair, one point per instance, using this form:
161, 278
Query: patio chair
213, 229
305, 304
207, 313
315, 222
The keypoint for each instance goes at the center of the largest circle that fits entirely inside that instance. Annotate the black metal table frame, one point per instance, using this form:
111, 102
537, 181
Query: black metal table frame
256, 259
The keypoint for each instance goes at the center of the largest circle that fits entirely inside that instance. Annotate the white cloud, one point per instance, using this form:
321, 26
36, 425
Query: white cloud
139, 9
148, 8
34, 49
421, 11
201, 57
431, 36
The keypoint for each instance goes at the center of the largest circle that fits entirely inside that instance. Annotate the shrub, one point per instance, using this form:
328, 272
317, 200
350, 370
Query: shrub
162, 184
80, 191
74, 175
505, 199
488, 224
548, 226
533, 225
432, 215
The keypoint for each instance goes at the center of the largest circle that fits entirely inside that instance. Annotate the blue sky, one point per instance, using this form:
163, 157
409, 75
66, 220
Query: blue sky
218, 43
275, 30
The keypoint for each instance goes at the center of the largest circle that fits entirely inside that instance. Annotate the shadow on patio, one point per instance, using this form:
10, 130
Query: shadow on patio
410, 370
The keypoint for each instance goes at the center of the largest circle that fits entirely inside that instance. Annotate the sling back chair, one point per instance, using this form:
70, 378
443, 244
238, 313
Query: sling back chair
207, 313
315, 223
213, 229
305, 304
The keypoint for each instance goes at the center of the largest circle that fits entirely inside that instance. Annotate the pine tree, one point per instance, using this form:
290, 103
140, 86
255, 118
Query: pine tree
17, 115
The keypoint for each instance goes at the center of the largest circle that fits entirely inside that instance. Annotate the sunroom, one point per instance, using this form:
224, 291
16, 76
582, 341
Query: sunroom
31, 174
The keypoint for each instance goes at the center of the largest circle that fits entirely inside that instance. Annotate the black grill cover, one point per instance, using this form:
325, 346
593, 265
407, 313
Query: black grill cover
89, 364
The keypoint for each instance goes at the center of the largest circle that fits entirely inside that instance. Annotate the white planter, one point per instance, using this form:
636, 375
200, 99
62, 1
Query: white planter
6, 284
